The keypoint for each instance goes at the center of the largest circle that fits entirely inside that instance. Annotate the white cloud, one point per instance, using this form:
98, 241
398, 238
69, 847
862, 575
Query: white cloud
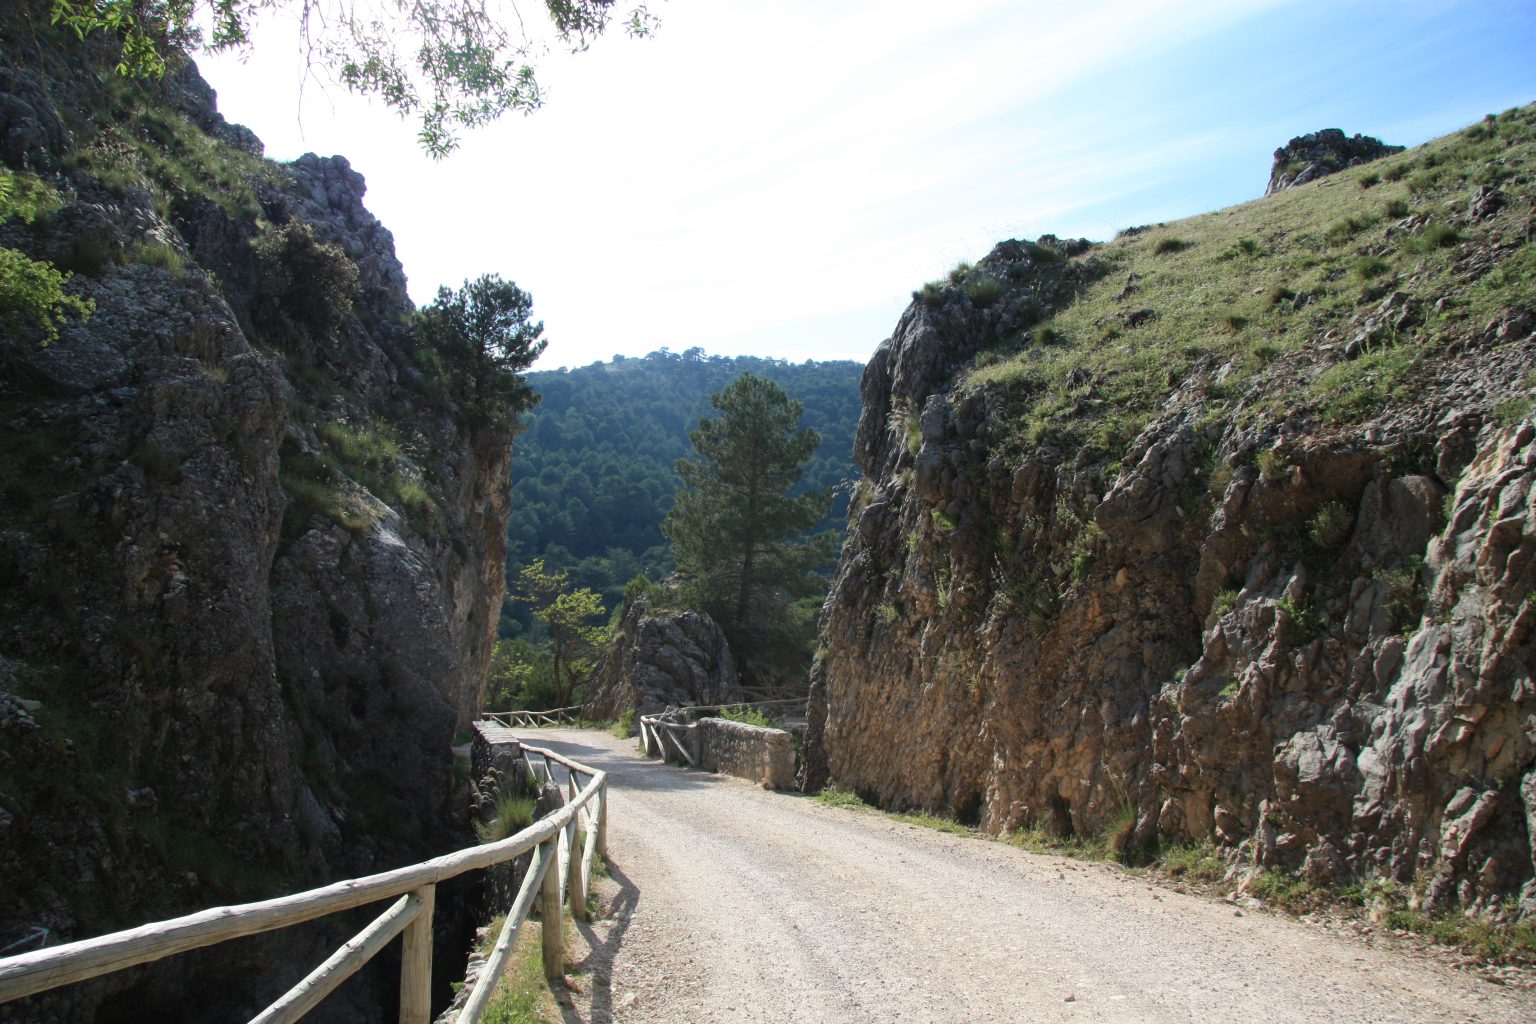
776, 179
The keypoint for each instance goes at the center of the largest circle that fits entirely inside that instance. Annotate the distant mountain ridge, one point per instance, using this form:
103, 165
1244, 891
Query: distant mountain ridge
593, 474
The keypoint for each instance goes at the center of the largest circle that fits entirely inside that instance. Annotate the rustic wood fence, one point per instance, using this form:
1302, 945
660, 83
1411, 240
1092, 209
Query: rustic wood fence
534, 719
673, 730
557, 870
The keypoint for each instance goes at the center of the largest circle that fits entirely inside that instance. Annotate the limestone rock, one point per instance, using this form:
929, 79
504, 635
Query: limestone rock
1018, 635
662, 660
1319, 154
249, 652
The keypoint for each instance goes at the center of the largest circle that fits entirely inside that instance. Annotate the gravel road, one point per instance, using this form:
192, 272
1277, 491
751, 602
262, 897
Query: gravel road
730, 903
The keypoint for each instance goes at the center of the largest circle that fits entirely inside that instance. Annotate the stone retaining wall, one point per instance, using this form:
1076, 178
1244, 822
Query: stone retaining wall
746, 751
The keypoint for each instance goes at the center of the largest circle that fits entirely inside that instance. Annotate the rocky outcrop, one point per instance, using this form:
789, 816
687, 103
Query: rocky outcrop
1311, 644
667, 659
1319, 154
252, 551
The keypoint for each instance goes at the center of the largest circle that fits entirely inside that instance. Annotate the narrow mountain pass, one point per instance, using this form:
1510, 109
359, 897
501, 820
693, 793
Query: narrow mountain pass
730, 903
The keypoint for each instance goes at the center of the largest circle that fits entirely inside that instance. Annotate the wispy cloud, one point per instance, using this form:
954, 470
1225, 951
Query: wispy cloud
777, 179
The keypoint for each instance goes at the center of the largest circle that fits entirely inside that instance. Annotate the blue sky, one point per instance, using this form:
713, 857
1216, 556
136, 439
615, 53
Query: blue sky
777, 179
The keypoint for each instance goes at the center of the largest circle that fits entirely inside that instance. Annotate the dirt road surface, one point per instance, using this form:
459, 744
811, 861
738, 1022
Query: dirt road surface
729, 903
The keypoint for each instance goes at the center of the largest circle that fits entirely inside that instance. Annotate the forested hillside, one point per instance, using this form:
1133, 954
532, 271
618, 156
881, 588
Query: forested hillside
594, 473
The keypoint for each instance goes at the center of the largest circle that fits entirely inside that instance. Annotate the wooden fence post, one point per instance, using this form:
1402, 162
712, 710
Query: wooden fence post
549, 913
574, 882
416, 963
602, 820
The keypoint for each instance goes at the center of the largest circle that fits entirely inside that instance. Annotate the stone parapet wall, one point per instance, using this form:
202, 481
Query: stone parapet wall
746, 751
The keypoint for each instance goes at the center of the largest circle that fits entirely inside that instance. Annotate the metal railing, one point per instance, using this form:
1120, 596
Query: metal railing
554, 872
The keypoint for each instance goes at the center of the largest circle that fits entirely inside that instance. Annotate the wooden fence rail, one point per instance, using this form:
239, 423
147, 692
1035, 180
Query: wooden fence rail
533, 719
554, 871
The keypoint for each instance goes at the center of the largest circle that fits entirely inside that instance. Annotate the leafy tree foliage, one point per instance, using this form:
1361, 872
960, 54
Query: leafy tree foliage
32, 295
595, 470
313, 283
735, 523
452, 63
485, 332
575, 641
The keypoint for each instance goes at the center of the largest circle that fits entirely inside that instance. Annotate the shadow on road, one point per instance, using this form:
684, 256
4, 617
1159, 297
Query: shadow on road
626, 769
598, 963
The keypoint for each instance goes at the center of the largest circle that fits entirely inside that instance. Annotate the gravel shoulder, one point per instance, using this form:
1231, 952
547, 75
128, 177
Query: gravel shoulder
730, 903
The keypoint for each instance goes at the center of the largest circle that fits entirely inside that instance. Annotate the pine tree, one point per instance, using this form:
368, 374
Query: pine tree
575, 641
735, 523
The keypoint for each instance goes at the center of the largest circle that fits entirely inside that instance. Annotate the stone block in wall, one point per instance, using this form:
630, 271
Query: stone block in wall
766, 756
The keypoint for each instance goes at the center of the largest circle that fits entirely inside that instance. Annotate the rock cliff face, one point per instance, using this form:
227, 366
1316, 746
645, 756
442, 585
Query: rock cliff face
253, 548
1304, 634
1319, 154
661, 660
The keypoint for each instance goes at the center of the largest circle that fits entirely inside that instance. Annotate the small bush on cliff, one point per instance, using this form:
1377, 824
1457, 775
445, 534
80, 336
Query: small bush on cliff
1300, 622
33, 300
304, 280
1405, 591
983, 291
514, 812
1331, 526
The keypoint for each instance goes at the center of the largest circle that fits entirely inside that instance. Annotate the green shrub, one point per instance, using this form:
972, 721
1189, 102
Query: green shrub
833, 796
959, 274
887, 614
1341, 231
1284, 890
1225, 602
1300, 622
1370, 180
314, 282
1165, 246
153, 252
624, 728
27, 198
1405, 591
983, 291
1435, 236
1368, 268
1423, 181
33, 300
1271, 464
1330, 526
1199, 863
931, 294
942, 520
749, 715
1396, 208
514, 812
1395, 172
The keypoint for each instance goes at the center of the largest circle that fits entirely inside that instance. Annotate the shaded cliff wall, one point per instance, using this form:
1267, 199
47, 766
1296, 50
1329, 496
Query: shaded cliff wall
252, 540
1308, 640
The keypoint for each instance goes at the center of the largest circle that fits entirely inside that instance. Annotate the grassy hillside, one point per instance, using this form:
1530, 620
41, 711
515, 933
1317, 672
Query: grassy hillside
1342, 295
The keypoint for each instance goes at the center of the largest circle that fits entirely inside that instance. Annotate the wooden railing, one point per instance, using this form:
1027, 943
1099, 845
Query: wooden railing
554, 872
534, 719
660, 733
